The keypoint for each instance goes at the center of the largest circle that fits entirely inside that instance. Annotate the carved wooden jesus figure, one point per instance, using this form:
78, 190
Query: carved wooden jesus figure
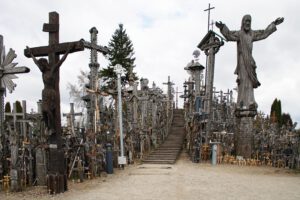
49, 94
246, 66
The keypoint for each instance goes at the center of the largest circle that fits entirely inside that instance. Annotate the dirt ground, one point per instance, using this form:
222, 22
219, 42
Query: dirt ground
184, 180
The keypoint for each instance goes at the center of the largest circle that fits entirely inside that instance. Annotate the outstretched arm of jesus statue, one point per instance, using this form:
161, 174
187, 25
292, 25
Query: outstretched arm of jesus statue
263, 34
32, 56
229, 35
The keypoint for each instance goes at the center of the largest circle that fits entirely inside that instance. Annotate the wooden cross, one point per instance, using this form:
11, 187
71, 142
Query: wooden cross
14, 114
8, 70
92, 104
176, 104
71, 117
169, 83
53, 51
51, 97
229, 96
208, 9
221, 96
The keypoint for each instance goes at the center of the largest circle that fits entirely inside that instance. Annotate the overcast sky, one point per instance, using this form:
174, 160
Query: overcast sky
164, 34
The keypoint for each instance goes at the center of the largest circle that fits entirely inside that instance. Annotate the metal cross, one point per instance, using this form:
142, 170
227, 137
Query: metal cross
208, 9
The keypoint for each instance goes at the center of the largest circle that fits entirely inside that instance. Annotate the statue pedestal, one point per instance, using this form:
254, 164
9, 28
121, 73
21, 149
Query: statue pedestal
244, 133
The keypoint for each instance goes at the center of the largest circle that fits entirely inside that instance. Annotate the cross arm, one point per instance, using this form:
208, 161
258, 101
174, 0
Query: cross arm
61, 48
17, 70
103, 50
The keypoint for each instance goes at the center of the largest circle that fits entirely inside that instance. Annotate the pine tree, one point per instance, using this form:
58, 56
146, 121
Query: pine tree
120, 52
8, 110
273, 111
276, 113
287, 120
7, 107
19, 107
279, 113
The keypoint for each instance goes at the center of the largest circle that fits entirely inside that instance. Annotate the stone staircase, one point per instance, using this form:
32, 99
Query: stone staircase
168, 152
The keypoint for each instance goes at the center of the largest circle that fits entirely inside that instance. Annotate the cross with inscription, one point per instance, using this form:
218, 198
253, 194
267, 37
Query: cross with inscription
51, 97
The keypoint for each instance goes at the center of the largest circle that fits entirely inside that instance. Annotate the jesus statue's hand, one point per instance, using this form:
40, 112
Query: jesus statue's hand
279, 20
219, 25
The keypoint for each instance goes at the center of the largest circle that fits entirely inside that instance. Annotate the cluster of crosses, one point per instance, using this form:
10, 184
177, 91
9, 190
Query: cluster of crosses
35, 149
213, 120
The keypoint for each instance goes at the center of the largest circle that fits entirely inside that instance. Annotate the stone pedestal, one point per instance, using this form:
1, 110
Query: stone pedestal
244, 133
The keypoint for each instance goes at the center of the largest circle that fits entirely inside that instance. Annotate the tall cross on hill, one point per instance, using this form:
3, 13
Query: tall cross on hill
50, 72
208, 21
51, 97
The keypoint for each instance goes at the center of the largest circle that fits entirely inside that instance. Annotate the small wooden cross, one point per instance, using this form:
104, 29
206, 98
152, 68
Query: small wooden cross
71, 117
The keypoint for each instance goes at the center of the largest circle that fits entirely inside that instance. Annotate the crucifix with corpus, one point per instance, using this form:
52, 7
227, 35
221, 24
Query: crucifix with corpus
51, 96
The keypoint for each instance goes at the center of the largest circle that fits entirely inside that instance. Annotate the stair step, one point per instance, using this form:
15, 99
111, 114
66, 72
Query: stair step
168, 152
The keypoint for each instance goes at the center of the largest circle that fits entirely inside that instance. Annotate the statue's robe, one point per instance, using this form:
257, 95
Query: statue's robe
246, 67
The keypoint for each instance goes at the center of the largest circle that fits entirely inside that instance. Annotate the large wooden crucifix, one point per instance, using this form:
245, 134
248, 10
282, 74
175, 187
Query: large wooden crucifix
51, 96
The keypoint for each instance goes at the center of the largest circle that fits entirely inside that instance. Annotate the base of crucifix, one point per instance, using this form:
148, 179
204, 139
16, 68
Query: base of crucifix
244, 133
57, 177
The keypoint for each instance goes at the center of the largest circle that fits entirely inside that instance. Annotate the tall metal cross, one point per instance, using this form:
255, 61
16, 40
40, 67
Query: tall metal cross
208, 9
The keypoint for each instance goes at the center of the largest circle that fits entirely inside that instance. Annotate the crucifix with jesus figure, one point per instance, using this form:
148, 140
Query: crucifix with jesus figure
51, 98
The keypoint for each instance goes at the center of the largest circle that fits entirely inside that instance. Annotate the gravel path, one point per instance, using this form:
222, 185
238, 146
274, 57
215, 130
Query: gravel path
184, 180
